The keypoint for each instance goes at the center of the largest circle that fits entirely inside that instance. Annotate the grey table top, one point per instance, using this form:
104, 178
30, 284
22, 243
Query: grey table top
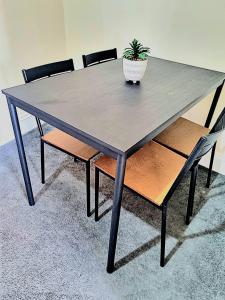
97, 101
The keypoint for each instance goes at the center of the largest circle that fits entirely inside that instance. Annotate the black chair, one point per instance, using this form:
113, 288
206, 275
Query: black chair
181, 137
57, 138
154, 172
99, 57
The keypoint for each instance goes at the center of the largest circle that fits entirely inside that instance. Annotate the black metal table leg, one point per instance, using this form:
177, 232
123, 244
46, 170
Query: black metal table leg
42, 162
163, 235
120, 171
213, 105
20, 147
88, 188
96, 193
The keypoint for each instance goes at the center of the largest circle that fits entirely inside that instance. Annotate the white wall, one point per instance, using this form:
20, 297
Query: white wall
186, 31
191, 32
31, 33
37, 31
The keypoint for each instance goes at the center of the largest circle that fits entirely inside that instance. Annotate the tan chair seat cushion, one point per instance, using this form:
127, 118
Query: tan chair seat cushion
181, 136
69, 144
150, 172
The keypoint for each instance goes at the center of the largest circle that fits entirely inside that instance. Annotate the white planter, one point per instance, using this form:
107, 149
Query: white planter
134, 70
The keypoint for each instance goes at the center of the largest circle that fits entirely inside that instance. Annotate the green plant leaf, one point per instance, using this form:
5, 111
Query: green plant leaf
136, 51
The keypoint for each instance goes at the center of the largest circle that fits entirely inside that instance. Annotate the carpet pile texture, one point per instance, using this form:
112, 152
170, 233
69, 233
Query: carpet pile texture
53, 251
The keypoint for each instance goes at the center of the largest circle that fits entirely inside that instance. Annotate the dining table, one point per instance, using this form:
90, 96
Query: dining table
97, 106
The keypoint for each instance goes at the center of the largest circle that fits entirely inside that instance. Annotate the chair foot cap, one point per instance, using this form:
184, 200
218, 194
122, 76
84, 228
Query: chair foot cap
187, 222
110, 270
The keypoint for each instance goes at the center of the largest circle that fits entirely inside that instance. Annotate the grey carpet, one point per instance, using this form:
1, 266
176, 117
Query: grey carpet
53, 251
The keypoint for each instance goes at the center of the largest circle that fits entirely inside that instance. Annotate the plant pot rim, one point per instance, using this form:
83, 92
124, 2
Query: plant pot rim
140, 60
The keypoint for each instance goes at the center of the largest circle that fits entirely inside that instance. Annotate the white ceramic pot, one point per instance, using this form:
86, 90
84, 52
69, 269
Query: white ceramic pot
134, 70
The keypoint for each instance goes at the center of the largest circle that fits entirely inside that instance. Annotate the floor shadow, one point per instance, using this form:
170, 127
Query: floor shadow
65, 165
176, 226
151, 215
105, 212
134, 204
137, 252
180, 242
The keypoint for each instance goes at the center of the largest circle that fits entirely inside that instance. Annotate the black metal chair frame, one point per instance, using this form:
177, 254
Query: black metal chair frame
203, 146
99, 57
211, 111
207, 124
49, 70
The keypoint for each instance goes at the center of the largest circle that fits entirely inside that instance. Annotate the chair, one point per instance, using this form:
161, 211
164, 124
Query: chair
57, 138
154, 172
99, 57
182, 136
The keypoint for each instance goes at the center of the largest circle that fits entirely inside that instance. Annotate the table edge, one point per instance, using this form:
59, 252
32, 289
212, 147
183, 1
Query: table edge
158, 130
67, 128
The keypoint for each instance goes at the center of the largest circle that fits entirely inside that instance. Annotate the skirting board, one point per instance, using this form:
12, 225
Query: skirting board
28, 123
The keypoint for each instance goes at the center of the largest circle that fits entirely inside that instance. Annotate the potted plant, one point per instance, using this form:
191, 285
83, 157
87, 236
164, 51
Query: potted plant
135, 59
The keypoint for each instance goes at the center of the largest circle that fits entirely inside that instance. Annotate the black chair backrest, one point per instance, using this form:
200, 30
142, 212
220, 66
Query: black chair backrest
47, 71
220, 122
203, 146
99, 57
212, 137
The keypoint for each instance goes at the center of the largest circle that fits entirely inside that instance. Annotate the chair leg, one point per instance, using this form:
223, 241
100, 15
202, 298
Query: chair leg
163, 236
194, 173
88, 188
42, 162
96, 193
210, 166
